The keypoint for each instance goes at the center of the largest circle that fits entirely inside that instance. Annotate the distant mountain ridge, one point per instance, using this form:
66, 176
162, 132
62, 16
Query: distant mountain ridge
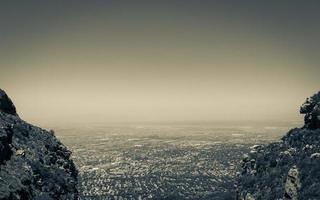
288, 169
34, 164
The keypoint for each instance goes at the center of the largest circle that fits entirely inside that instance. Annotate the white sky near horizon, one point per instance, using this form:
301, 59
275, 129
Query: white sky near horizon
114, 61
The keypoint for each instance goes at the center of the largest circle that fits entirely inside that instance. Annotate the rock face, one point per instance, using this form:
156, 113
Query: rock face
34, 164
6, 104
292, 185
312, 110
288, 169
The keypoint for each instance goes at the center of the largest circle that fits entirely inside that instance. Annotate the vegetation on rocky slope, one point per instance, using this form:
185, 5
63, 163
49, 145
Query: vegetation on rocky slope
288, 169
34, 164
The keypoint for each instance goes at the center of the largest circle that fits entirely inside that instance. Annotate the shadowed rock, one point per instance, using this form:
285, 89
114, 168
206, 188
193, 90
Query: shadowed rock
5, 141
6, 104
34, 164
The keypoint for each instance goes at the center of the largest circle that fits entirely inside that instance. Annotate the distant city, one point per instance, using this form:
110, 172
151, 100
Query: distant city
174, 161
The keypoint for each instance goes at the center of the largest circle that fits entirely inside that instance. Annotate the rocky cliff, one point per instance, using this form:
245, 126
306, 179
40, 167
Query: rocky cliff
288, 169
34, 164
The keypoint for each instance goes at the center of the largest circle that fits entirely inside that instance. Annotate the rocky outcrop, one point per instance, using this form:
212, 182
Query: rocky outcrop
292, 185
34, 164
288, 169
6, 104
311, 109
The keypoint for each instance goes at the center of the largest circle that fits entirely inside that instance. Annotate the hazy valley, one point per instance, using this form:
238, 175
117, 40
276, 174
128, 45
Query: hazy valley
164, 161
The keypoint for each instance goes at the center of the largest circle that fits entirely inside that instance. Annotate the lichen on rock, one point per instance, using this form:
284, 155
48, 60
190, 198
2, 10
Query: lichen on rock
292, 185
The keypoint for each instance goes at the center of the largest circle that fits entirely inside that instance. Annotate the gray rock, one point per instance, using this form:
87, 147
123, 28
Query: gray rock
34, 164
315, 156
289, 169
249, 197
292, 184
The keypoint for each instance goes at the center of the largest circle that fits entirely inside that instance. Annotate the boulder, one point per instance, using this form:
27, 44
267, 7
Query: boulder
292, 184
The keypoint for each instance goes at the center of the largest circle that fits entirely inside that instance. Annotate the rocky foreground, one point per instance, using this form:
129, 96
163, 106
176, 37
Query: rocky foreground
289, 169
34, 164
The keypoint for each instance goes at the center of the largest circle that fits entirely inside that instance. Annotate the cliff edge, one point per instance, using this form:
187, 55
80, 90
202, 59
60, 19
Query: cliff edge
34, 164
288, 169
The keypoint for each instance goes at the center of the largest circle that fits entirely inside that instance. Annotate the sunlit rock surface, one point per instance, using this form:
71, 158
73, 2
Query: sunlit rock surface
33, 163
288, 169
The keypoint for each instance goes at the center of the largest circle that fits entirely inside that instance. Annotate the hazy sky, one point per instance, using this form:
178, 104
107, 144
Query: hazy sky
77, 61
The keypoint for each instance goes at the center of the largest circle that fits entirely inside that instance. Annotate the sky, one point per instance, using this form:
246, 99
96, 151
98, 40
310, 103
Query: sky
107, 61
